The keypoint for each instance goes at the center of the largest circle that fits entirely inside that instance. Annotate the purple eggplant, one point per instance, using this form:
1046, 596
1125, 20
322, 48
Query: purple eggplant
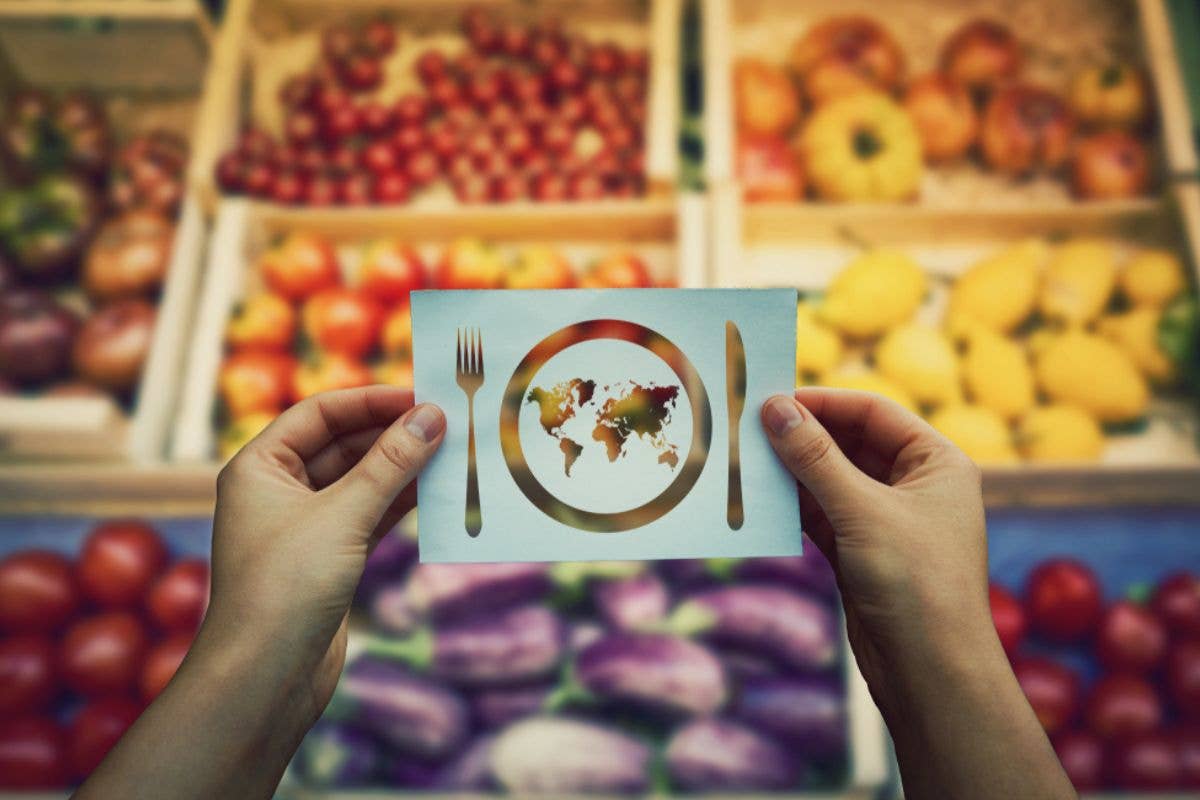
656, 671
393, 612
387, 565
453, 591
582, 633
795, 628
686, 574
807, 713
742, 665
810, 572
410, 773
497, 707
470, 770
337, 756
631, 603
562, 756
514, 646
718, 755
410, 713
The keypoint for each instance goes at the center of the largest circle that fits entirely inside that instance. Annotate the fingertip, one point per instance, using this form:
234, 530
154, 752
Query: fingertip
782, 413
426, 422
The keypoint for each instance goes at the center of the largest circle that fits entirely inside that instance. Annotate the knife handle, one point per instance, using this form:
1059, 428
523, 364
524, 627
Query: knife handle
734, 512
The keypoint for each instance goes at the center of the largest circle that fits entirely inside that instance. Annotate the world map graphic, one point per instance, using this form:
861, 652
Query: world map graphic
621, 411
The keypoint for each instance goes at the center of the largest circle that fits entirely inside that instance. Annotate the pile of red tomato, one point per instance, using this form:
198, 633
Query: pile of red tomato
86, 645
1137, 724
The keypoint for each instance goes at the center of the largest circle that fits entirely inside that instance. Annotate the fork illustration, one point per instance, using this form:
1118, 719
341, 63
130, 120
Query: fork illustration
470, 378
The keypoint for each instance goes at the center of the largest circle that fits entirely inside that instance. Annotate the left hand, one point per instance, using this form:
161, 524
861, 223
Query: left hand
299, 509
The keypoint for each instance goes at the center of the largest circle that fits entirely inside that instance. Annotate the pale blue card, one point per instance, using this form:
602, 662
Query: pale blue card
602, 424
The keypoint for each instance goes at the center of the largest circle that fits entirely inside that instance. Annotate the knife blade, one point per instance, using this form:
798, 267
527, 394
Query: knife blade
735, 401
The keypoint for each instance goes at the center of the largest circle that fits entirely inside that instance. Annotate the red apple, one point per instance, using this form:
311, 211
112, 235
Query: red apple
981, 55
944, 114
1026, 128
768, 170
1110, 165
846, 53
766, 102
390, 270
618, 271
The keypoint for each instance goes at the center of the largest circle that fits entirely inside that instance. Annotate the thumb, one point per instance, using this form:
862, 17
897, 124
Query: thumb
392, 462
810, 453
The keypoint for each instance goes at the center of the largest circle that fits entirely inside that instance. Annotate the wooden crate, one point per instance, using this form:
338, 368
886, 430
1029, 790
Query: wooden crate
263, 42
145, 61
1058, 39
667, 233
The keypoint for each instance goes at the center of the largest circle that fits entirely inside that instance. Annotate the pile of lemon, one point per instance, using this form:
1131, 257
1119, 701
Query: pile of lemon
1039, 347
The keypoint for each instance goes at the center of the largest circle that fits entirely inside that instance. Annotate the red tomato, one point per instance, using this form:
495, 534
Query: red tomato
255, 382
37, 591
119, 561
1123, 705
1187, 741
1183, 677
1082, 757
265, 321
32, 755
397, 331
1177, 601
1063, 600
177, 601
161, 664
343, 321
102, 654
1008, 617
1052, 690
328, 373
300, 266
390, 270
96, 729
1130, 638
1148, 761
27, 679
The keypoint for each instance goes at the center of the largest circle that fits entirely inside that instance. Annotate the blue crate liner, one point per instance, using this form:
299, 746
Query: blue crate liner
1126, 547
185, 536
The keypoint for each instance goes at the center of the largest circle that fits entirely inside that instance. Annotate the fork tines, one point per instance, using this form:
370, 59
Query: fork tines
469, 353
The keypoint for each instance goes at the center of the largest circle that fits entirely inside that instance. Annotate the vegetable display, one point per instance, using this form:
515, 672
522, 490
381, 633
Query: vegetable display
606, 677
85, 644
1113, 683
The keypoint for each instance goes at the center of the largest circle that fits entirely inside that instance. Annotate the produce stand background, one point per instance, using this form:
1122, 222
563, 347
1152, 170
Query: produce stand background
66, 45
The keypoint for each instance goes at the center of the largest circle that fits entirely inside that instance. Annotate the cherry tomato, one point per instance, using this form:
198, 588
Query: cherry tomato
177, 601
1063, 600
265, 322
1052, 690
1187, 741
1183, 677
38, 592
343, 321
300, 266
119, 561
1008, 617
96, 728
256, 382
390, 270
1148, 761
32, 754
1082, 757
1177, 601
1130, 638
27, 679
102, 654
1123, 705
161, 664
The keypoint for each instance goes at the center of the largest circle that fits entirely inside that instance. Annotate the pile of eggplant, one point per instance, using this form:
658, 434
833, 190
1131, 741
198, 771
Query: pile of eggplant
609, 677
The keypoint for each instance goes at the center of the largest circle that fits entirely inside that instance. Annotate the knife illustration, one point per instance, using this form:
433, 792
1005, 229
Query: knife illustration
735, 400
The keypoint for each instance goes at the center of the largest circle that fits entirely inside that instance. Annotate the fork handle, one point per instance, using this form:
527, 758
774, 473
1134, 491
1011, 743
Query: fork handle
474, 517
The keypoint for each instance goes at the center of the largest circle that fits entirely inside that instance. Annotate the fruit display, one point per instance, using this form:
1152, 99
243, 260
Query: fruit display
1109, 664
1032, 353
323, 316
87, 223
88, 637
844, 117
582, 677
500, 111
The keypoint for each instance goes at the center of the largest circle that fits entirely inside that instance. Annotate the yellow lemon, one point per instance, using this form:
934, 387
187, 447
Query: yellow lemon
998, 292
1136, 331
818, 347
997, 374
920, 359
1059, 433
1078, 281
1094, 374
1152, 278
876, 291
979, 432
869, 381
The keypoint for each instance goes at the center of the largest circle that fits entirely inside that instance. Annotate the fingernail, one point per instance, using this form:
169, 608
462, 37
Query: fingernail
782, 414
425, 422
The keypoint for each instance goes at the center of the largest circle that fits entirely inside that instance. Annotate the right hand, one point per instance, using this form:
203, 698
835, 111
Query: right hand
898, 511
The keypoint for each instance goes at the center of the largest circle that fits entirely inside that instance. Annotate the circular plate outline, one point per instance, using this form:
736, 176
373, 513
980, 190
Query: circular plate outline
514, 398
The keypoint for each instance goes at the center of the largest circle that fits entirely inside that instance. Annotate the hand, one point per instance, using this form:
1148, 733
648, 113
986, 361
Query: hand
299, 509
898, 511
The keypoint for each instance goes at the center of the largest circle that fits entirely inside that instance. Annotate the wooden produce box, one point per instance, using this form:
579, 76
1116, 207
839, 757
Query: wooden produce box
264, 42
146, 62
1057, 40
667, 234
